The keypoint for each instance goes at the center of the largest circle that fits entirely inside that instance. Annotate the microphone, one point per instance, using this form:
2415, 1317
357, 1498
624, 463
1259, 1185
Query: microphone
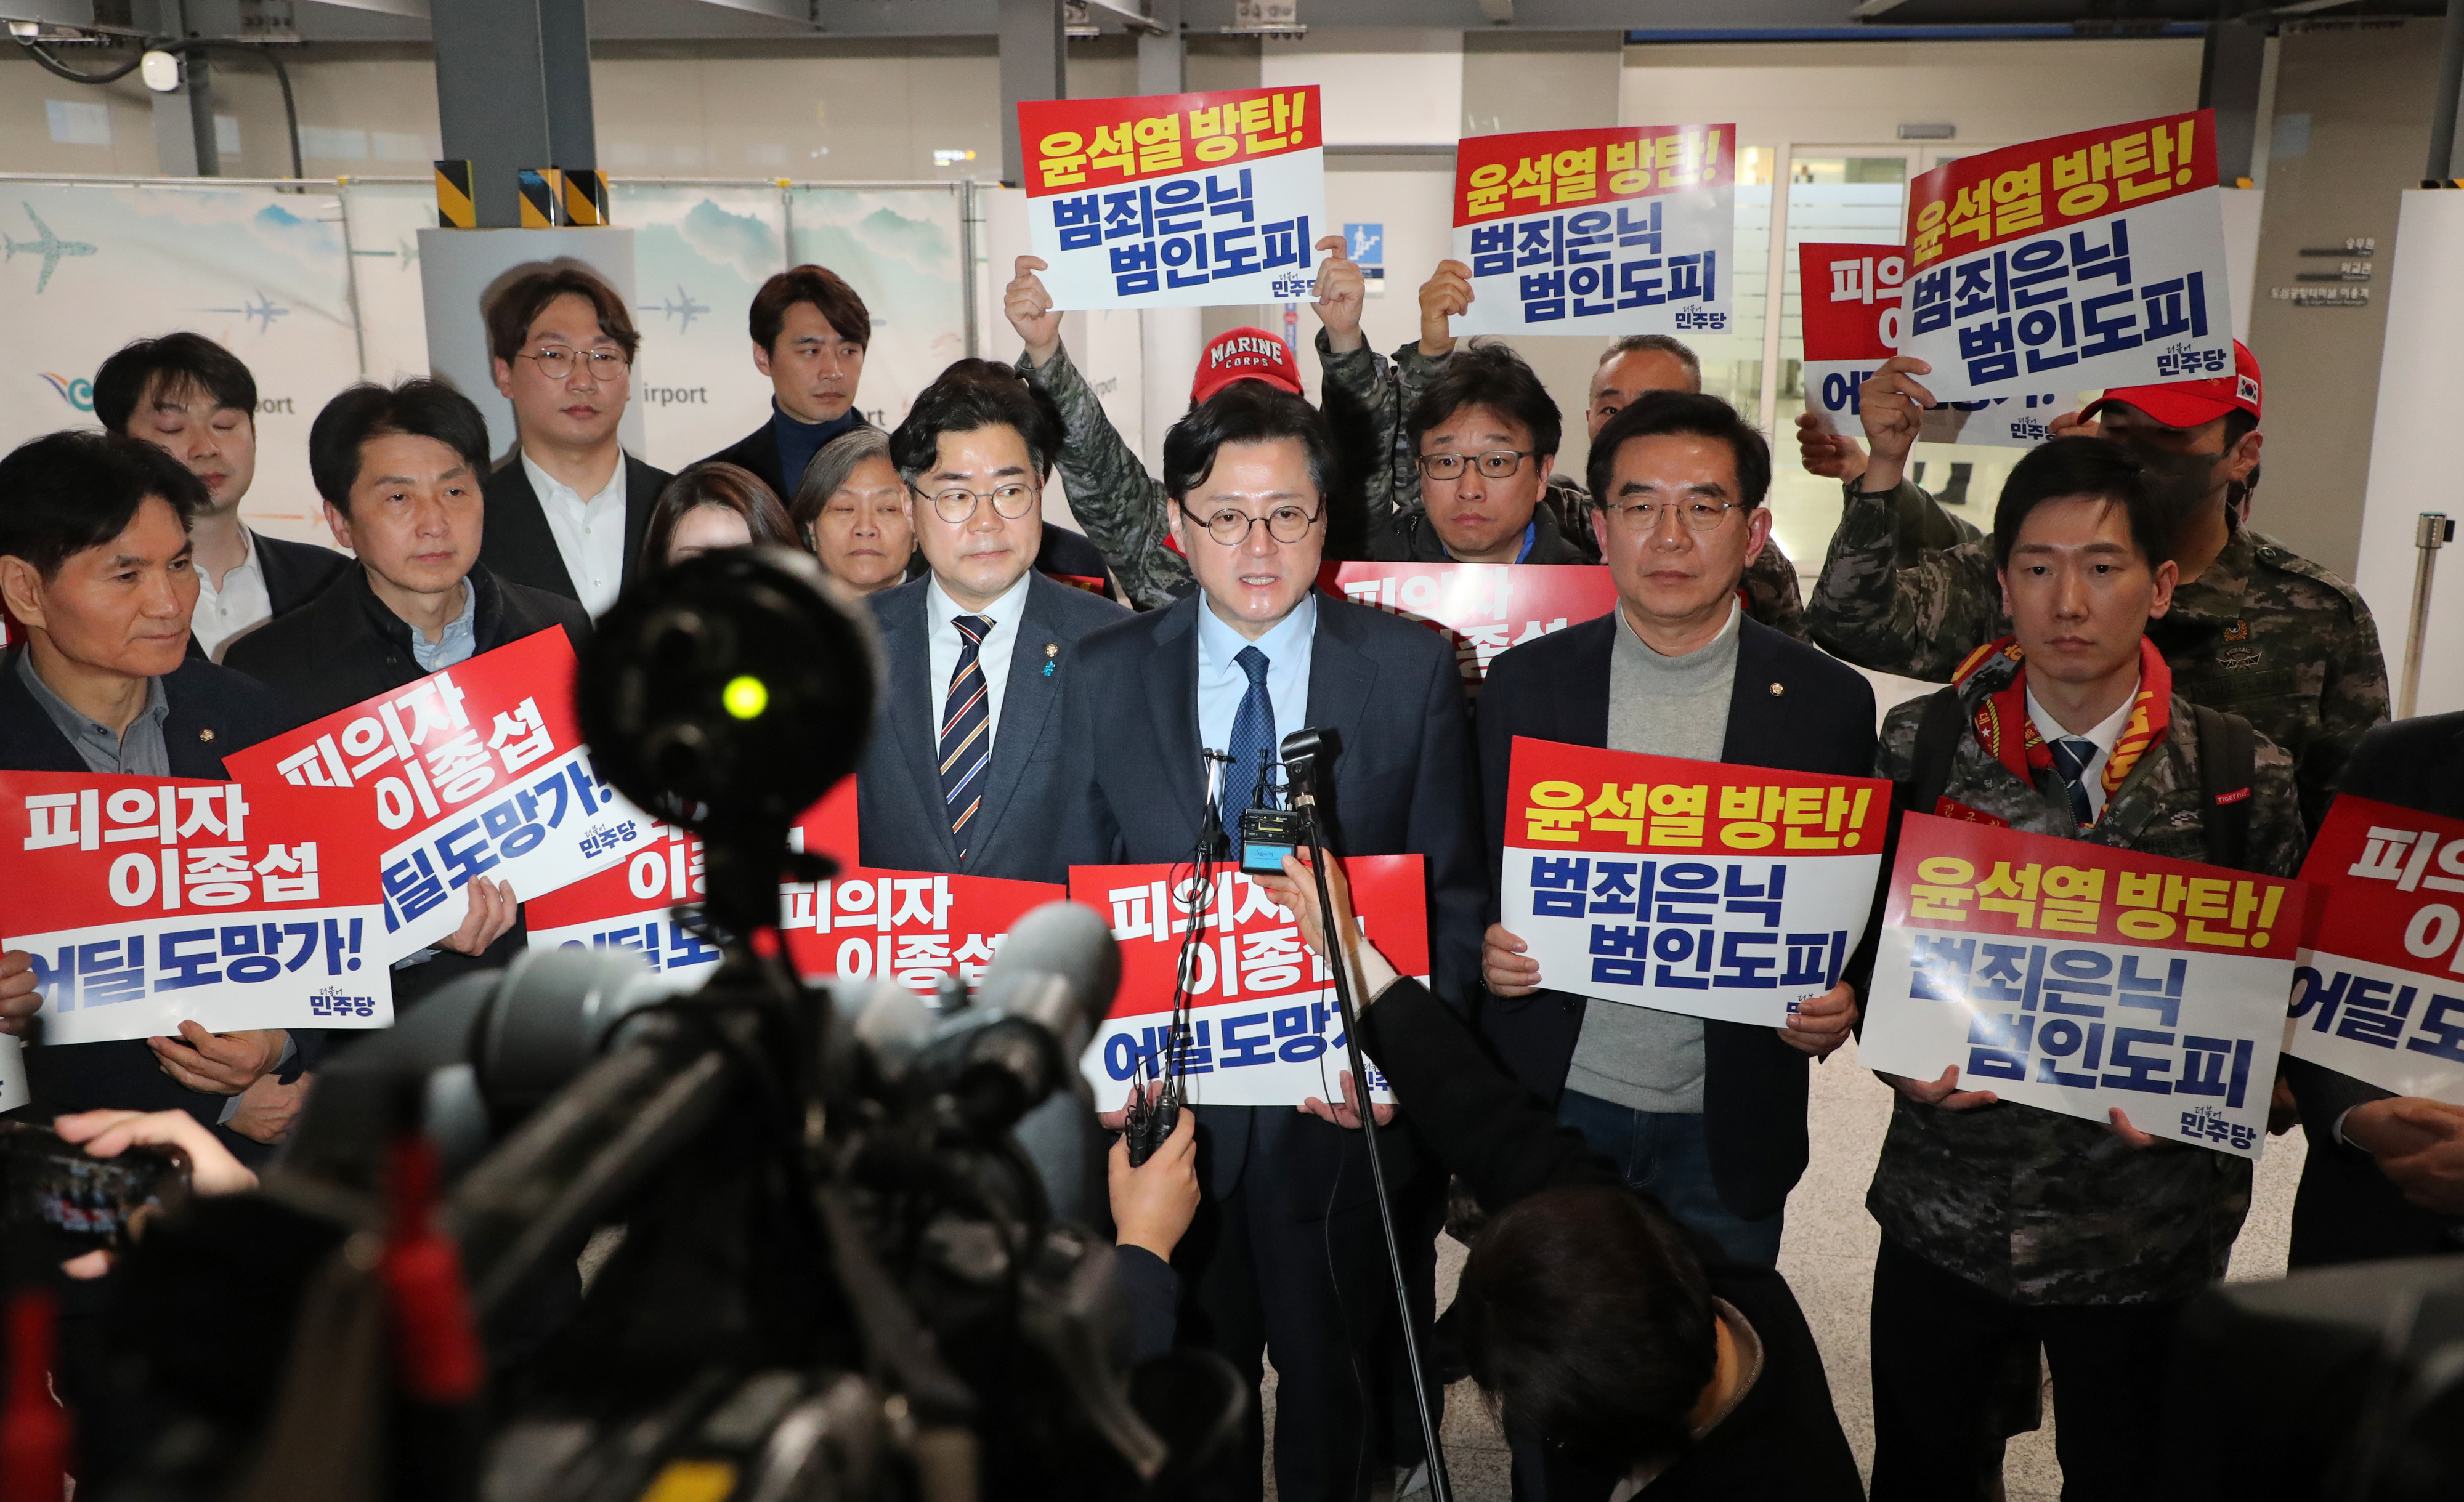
1059, 967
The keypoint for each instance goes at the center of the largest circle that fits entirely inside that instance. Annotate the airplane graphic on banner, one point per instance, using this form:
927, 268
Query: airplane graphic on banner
50, 247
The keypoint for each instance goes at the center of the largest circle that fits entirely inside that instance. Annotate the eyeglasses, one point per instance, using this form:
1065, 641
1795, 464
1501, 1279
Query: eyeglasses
556, 362
1230, 526
954, 506
1496, 464
1644, 515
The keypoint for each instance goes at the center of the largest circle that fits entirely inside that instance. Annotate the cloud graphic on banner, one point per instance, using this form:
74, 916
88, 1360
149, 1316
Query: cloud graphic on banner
746, 245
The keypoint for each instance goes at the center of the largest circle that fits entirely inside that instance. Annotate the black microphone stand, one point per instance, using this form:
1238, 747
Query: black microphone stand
1300, 773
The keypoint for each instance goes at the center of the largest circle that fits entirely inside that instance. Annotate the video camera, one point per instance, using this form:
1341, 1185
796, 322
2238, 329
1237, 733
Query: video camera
839, 1275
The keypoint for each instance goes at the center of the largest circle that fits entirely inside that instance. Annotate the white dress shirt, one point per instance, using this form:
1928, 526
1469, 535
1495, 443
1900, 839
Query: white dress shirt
238, 605
589, 534
2107, 731
992, 654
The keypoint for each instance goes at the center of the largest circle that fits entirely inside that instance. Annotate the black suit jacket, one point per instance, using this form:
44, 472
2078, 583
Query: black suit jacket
347, 647
296, 572
1403, 784
517, 546
1792, 708
759, 451
2347, 1209
214, 711
1016, 833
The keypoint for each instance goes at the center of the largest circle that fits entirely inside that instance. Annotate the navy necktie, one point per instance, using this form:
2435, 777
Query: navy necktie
1253, 738
2072, 754
966, 730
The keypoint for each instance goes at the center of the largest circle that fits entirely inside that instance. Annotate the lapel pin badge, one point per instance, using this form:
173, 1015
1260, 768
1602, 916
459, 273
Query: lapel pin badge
1778, 689
206, 734
1051, 651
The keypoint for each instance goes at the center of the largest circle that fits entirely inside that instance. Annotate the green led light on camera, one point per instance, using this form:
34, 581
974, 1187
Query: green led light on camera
746, 697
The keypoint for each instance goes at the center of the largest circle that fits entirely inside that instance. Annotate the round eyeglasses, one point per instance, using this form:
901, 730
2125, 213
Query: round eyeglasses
555, 362
954, 504
1230, 526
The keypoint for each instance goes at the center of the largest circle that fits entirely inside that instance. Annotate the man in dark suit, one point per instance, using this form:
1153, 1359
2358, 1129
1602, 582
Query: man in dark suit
567, 513
94, 564
399, 470
1708, 1117
964, 770
195, 400
1286, 1257
2385, 1175
809, 330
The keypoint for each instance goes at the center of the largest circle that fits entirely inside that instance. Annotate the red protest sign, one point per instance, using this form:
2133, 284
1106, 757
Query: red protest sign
1720, 891
1264, 1016
146, 902
1524, 172
916, 928
475, 769
2380, 991
1480, 608
2078, 978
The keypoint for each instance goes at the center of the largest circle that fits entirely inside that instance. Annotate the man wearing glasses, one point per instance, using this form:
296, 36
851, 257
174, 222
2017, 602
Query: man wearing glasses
568, 515
1706, 1117
965, 773
1286, 1257
1484, 434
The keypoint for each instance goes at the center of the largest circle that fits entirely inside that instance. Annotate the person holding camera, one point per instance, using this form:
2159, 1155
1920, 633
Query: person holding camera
1627, 1354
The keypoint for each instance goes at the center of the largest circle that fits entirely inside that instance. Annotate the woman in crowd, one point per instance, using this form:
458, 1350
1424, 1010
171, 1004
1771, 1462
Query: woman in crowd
850, 509
713, 504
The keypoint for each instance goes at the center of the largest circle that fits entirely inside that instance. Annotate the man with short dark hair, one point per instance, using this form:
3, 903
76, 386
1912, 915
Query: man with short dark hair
94, 566
399, 469
568, 515
2005, 1225
963, 772
195, 400
2255, 627
1394, 394
1708, 1117
810, 330
1483, 437
1286, 1256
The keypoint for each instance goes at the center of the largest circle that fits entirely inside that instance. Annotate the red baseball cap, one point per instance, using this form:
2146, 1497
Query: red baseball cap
1244, 355
2193, 403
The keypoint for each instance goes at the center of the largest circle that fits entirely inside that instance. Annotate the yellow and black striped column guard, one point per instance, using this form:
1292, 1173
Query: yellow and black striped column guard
541, 189
454, 209
585, 196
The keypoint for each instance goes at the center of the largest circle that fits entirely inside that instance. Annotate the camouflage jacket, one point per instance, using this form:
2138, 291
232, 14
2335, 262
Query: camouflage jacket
1387, 391
2040, 1208
1122, 508
2264, 633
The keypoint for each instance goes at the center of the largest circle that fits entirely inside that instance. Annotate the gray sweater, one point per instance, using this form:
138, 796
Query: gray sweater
1637, 1056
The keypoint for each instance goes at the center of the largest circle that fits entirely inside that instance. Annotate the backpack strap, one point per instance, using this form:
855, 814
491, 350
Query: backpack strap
1936, 744
2228, 761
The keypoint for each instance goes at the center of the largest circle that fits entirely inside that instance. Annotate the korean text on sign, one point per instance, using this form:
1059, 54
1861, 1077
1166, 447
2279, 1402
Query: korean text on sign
1480, 608
149, 901
2095, 259
2076, 977
1728, 892
1265, 1027
1855, 319
1177, 199
2378, 994
920, 930
476, 771
634, 906
1623, 230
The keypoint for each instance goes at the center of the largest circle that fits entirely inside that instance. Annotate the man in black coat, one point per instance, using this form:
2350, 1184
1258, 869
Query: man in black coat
1706, 1116
810, 330
195, 400
399, 470
1286, 1256
2385, 1175
95, 563
964, 772
566, 514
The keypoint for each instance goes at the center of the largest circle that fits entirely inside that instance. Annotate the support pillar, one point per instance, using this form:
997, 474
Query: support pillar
513, 91
1034, 65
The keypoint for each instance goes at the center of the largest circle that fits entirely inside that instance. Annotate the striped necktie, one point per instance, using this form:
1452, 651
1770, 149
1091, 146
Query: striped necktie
2072, 754
966, 730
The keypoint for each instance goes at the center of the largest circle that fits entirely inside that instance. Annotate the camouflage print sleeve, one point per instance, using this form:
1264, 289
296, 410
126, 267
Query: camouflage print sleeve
1414, 373
1771, 595
2356, 698
1925, 523
1918, 618
1122, 508
1895, 750
1370, 382
2277, 835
